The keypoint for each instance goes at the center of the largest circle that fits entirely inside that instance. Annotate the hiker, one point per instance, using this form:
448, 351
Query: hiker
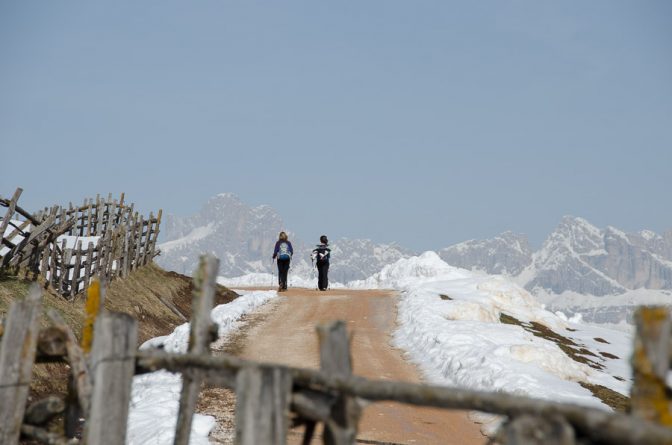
320, 256
283, 252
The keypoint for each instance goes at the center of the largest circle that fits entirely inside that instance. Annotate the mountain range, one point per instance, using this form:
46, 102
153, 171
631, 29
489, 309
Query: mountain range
243, 237
576, 259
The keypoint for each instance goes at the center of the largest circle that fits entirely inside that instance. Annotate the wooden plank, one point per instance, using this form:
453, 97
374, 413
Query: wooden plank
74, 284
156, 234
99, 217
104, 255
62, 267
262, 405
95, 302
335, 361
89, 218
18, 209
112, 217
598, 425
199, 341
138, 242
32, 250
126, 251
11, 208
17, 230
37, 231
649, 396
17, 354
150, 229
80, 375
112, 366
54, 265
87, 267
44, 265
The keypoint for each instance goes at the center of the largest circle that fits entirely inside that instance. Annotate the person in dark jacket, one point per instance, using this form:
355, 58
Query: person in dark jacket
283, 252
321, 255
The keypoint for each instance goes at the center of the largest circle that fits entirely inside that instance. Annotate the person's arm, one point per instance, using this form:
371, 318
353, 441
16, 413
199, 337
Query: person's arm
291, 249
275, 250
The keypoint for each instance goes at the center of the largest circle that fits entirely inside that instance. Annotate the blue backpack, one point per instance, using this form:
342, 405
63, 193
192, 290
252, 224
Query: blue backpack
283, 251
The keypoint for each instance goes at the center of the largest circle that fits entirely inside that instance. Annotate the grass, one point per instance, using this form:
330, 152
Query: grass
579, 354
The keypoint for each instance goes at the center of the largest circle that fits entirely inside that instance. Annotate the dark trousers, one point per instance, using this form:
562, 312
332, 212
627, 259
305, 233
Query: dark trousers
322, 275
283, 268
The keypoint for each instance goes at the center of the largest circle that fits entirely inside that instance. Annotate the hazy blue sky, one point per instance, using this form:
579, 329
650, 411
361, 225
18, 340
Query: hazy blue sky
422, 122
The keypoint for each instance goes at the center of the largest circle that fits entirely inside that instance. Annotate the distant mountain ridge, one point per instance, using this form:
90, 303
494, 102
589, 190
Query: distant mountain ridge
243, 237
576, 257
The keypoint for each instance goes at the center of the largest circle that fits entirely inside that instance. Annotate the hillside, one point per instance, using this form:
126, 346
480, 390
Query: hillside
139, 295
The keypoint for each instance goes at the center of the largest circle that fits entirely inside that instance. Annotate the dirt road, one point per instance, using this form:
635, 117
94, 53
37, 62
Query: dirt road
284, 332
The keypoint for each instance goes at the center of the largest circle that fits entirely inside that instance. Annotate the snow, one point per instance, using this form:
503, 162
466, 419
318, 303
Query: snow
449, 324
195, 235
72, 240
260, 279
649, 235
13, 224
155, 397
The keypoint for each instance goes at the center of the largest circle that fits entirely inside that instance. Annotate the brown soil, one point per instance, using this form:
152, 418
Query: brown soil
284, 332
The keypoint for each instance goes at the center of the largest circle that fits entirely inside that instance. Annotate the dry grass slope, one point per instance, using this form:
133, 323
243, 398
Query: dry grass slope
140, 295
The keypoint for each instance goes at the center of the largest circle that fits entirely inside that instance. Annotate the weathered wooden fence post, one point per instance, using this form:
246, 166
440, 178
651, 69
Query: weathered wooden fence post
10, 211
112, 369
17, 355
649, 395
335, 360
199, 342
74, 284
263, 396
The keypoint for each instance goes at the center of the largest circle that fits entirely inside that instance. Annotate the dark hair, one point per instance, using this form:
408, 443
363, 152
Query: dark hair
323, 239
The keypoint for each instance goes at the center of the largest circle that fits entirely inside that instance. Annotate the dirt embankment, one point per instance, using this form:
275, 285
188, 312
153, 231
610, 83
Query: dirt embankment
158, 299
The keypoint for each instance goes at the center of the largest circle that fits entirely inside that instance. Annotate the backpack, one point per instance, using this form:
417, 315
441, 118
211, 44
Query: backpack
322, 253
283, 251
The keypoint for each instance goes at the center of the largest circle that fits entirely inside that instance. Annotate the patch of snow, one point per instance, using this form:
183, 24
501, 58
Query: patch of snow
449, 323
648, 235
271, 280
155, 397
195, 235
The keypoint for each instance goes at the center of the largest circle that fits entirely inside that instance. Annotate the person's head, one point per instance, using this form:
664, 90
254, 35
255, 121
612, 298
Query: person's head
282, 236
324, 240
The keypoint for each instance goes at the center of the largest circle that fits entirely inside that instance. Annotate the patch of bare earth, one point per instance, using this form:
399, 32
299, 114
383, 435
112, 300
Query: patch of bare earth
284, 333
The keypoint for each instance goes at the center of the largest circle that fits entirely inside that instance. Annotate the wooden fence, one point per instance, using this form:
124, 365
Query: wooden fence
104, 238
271, 398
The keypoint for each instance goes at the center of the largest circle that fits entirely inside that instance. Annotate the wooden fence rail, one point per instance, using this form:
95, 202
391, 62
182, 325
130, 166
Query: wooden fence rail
106, 238
272, 397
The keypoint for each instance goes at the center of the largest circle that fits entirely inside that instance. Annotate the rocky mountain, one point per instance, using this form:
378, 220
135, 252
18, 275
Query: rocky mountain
576, 257
242, 237
507, 254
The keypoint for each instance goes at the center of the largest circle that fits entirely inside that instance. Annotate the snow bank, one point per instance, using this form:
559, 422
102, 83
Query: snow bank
409, 271
449, 323
271, 280
155, 397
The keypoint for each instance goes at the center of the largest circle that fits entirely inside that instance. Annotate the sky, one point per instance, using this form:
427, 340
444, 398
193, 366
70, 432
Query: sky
423, 123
